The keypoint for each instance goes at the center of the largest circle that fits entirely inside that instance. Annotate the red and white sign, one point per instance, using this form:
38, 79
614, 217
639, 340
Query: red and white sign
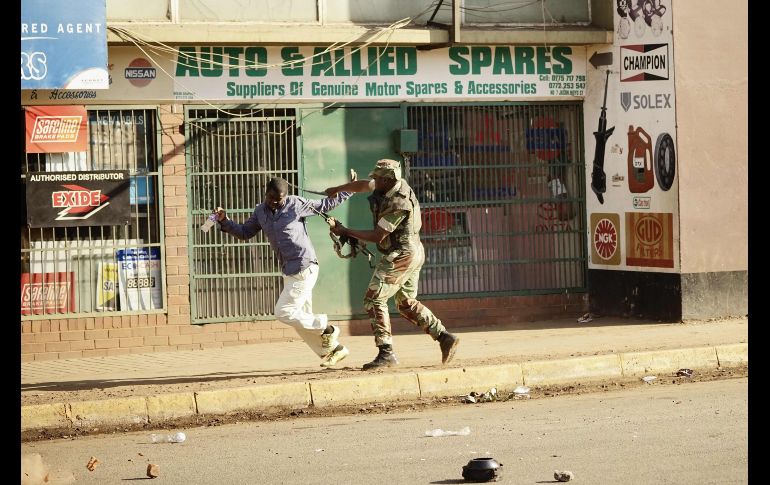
605, 229
44, 293
56, 129
140, 72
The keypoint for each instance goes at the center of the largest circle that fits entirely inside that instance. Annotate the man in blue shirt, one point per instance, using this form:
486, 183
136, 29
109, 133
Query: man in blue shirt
281, 218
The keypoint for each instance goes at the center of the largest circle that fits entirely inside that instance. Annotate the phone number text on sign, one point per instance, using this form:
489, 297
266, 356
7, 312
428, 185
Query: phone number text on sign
565, 84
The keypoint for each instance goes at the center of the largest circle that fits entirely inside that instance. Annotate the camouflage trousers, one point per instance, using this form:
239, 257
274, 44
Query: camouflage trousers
397, 274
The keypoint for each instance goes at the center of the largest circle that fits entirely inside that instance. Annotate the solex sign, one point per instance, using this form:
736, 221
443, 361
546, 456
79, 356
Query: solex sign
63, 199
56, 129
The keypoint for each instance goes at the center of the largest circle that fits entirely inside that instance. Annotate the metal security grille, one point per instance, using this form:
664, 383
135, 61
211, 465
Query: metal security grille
231, 156
502, 195
79, 270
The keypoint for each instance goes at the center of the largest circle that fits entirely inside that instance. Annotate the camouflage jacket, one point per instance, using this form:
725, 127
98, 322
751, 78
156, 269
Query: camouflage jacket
401, 210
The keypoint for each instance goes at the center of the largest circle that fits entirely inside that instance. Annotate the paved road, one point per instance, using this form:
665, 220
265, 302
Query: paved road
691, 433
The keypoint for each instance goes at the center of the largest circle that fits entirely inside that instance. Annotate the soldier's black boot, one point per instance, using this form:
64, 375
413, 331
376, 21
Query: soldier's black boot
448, 343
385, 358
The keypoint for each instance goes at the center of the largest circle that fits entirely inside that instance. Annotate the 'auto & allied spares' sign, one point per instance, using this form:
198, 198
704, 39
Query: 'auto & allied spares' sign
402, 73
61, 199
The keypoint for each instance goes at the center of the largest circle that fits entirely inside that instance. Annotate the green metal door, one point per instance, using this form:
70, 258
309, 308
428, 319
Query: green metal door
333, 142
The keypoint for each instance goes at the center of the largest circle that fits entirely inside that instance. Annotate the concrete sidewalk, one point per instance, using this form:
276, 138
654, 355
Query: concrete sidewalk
140, 388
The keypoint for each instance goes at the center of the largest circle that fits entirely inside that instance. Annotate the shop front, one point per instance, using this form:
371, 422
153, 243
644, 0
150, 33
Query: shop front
490, 137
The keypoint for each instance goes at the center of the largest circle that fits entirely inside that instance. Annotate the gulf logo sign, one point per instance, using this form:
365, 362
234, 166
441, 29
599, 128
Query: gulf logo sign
605, 238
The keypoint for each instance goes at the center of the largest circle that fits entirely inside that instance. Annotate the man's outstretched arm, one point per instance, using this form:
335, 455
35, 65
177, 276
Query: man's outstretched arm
354, 186
244, 231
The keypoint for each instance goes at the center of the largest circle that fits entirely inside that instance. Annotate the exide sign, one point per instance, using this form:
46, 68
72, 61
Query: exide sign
78, 198
62, 199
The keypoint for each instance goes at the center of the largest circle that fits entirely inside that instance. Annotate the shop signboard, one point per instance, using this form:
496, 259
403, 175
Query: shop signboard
45, 293
139, 285
107, 287
400, 73
56, 129
64, 44
632, 187
63, 199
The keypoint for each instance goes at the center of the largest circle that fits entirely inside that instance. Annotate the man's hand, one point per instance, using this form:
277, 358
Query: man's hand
221, 214
353, 175
331, 191
337, 229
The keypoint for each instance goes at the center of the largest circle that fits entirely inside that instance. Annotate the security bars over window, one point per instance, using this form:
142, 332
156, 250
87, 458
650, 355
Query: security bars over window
501, 189
230, 158
93, 270
503, 197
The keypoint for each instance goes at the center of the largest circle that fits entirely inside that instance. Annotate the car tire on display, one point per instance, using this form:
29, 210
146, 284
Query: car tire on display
665, 161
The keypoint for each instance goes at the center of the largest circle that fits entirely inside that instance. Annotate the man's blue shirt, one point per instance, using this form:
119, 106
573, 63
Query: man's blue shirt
285, 229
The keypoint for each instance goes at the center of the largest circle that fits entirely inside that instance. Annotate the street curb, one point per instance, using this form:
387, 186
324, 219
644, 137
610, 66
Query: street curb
266, 396
170, 406
735, 354
447, 382
356, 390
641, 363
571, 370
109, 411
44, 416
376, 388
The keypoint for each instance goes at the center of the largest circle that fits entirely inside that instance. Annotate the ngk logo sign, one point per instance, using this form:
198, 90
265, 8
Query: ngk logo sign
650, 239
605, 230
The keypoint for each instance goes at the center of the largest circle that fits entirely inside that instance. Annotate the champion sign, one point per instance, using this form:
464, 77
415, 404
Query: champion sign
644, 62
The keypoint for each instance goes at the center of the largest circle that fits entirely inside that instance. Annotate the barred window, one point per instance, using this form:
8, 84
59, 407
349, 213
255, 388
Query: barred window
80, 265
501, 188
230, 158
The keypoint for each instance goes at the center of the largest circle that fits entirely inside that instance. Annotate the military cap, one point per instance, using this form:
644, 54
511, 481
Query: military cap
387, 168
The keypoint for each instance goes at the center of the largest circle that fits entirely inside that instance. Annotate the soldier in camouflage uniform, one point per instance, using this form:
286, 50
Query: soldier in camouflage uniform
396, 218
